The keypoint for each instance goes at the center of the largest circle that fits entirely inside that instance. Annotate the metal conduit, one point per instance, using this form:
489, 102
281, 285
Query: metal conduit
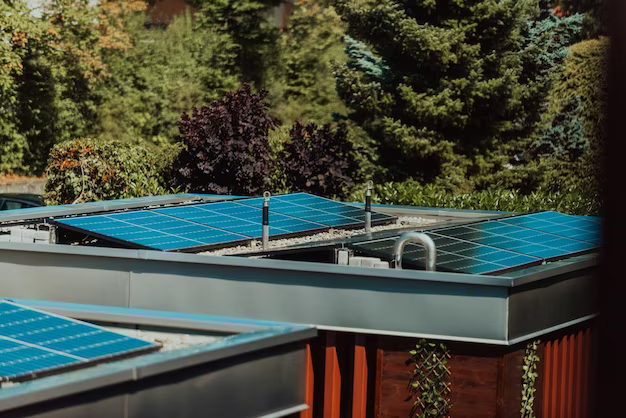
420, 238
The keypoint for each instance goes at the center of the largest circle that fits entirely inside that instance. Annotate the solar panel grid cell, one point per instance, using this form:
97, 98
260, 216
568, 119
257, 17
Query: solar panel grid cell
34, 342
569, 226
153, 230
453, 255
512, 238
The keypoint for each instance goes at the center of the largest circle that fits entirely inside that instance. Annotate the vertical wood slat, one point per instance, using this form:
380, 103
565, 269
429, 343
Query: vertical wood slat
332, 378
554, 395
564, 352
585, 372
572, 376
565, 376
547, 379
309, 384
359, 391
578, 365
379, 378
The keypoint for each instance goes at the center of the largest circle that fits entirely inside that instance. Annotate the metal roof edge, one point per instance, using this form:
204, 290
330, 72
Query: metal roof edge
534, 335
141, 367
239, 262
149, 317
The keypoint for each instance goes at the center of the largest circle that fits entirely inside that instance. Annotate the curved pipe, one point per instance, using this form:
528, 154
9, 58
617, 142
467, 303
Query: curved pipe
425, 240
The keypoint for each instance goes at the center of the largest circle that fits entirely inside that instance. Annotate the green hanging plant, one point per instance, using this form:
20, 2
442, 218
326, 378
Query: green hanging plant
430, 381
529, 379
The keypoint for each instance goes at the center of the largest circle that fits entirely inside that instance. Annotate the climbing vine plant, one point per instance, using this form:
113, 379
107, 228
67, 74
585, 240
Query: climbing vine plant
529, 379
430, 384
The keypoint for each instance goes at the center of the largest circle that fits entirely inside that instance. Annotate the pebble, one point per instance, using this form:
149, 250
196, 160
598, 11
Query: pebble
168, 340
403, 221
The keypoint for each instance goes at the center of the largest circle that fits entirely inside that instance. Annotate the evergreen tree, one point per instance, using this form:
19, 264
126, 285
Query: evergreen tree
302, 86
450, 90
249, 28
596, 13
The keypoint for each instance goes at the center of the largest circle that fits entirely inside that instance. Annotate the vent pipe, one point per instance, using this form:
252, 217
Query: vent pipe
368, 207
266, 220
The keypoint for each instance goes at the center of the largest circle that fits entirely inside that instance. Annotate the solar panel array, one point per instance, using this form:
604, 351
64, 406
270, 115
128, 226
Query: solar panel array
185, 228
453, 255
497, 246
34, 342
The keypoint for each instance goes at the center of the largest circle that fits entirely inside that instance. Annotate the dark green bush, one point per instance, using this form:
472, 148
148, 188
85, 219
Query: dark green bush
87, 170
411, 193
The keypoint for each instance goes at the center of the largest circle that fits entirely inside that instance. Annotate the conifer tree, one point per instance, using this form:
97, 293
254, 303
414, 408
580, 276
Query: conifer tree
449, 89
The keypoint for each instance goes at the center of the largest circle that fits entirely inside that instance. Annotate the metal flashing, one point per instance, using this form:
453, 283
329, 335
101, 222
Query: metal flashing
138, 368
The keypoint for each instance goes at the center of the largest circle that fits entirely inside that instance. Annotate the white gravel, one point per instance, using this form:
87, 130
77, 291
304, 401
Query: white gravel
402, 222
168, 340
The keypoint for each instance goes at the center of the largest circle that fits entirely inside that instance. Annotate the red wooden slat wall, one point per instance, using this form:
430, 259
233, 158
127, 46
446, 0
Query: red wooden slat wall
565, 374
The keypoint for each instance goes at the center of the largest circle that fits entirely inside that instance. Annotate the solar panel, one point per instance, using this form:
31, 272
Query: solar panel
240, 219
579, 228
34, 342
317, 209
453, 255
147, 229
513, 238
192, 227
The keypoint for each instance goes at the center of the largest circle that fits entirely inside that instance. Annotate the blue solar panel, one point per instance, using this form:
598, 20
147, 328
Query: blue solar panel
240, 219
580, 228
512, 238
317, 209
211, 224
453, 255
152, 230
34, 342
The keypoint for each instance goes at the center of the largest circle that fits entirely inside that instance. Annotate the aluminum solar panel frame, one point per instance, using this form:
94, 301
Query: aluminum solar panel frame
150, 230
34, 343
580, 228
453, 255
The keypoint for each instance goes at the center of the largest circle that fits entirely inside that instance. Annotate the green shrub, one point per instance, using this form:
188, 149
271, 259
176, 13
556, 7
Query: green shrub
87, 170
411, 193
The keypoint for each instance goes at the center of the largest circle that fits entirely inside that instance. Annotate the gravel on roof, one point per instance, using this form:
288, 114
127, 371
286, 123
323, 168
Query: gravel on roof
332, 234
168, 340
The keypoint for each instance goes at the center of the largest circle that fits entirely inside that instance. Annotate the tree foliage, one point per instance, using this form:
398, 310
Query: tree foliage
319, 160
574, 143
166, 73
449, 89
249, 29
301, 83
596, 15
19, 33
226, 147
87, 170
412, 193
52, 64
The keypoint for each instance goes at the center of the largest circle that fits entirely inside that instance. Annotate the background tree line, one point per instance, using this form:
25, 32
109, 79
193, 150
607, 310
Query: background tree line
479, 98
